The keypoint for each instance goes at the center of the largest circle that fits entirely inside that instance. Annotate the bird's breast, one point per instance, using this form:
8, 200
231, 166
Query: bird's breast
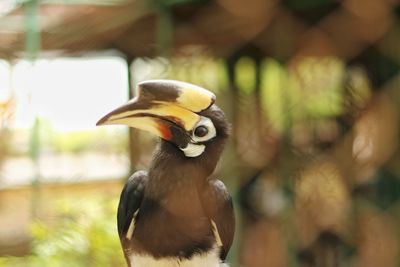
163, 233
185, 203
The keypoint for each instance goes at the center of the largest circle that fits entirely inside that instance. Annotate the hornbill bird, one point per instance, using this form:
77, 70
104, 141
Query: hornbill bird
176, 213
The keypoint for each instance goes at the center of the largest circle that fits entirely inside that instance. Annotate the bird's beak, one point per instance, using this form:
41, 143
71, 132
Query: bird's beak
162, 107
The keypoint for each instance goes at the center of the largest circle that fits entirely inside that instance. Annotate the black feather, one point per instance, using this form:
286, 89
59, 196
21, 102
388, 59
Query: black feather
218, 205
130, 201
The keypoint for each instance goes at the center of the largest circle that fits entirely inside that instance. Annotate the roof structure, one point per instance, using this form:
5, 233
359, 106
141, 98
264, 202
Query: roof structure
144, 28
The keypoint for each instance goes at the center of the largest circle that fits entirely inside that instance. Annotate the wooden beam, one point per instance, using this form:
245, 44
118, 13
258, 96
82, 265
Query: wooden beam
87, 2
134, 136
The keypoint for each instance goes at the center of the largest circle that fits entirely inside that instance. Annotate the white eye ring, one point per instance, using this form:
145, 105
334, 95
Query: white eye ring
207, 123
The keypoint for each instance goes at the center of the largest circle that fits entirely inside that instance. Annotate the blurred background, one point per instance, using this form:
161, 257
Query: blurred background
311, 88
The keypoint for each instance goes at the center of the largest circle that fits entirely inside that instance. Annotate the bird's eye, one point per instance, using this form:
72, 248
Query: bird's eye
201, 131
204, 131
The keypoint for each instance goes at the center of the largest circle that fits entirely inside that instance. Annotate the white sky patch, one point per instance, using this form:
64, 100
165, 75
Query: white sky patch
71, 93
4, 81
7, 6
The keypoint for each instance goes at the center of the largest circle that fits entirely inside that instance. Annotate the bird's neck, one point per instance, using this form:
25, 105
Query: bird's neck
173, 173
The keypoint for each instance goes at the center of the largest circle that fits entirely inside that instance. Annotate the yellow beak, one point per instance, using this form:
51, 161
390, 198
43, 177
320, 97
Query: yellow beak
161, 107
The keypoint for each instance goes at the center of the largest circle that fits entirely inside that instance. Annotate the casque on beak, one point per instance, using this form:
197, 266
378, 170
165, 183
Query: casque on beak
166, 108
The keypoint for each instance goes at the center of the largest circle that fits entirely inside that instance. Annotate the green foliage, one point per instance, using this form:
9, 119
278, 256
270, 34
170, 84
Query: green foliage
311, 90
83, 234
317, 87
275, 93
246, 74
98, 141
43, 137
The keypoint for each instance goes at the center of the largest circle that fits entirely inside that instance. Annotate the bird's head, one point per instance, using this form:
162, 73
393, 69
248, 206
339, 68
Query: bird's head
181, 113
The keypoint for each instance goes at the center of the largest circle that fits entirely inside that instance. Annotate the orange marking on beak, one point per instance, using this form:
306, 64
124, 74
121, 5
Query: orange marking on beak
165, 131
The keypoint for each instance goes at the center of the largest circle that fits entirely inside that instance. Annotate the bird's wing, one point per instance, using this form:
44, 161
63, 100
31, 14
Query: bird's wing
129, 203
218, 205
